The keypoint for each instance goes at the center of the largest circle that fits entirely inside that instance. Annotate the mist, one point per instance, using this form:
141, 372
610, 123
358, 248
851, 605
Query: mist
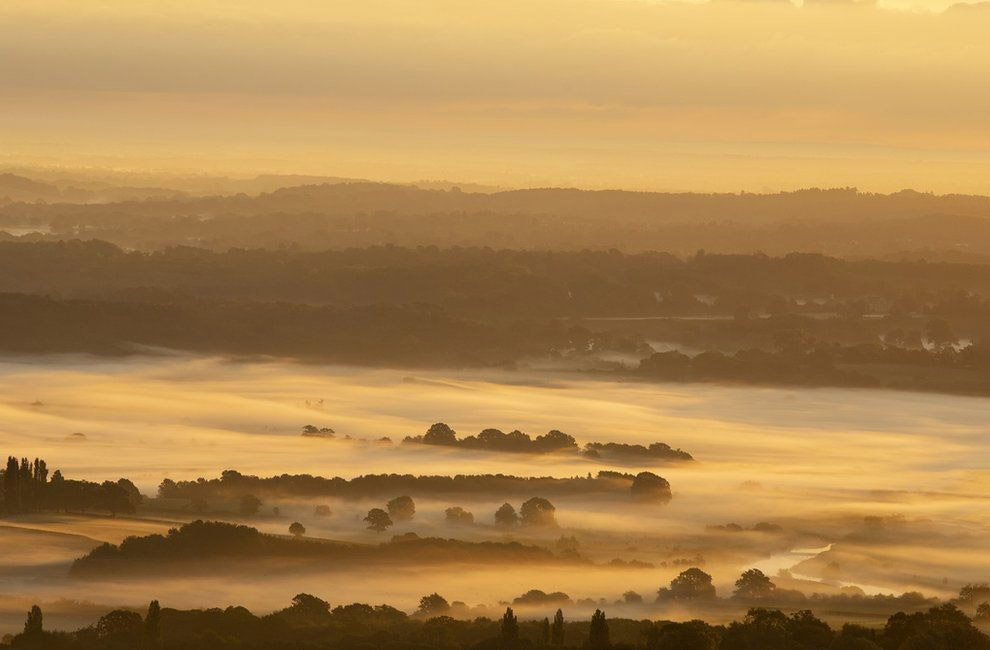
814, 461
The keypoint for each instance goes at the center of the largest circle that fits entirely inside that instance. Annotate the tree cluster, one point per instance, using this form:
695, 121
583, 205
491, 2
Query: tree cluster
25, 486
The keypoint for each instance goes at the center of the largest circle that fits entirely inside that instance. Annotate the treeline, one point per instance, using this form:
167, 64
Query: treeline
816, 364
234, 485
26, 487
516, 441
317, 217
500, 283
414, 335
217, 547
495, 440
624, 451
311, 623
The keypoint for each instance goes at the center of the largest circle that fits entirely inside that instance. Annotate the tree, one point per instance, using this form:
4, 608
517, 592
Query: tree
538, 512
598, 632
459, 516
11, 486
378, 520
401, 508
510, 628
632, 598
555, 440
771, 629
121, 625
855, 637
647, 486
982, 612
432, 605
545, 632
33, 626
506, 516
440, 434
973, 592
297, 529
153, 625
249, 505
116, 498
322, 511
691, 584
690, 635
557, 630
753, 583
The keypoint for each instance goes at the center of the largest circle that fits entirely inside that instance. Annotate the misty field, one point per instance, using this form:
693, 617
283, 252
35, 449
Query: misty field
814, 463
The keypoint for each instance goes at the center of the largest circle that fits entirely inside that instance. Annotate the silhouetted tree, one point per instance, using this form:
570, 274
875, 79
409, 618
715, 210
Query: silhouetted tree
509, 631
690, 635
647, 486
557, 630
942, 626
632, 598
34, 625
506, 515
753, 583
973, 592
545, 632
440, 434
116, 498
378, 520
433, 605
401, 508
856, 637
11, 486
691, 584
458, 515
538, 512
322, 511
297, 529
153, 625
771, 629
598, 637
121, 628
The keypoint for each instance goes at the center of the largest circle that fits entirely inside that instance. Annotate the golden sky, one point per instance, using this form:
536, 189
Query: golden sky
725, 95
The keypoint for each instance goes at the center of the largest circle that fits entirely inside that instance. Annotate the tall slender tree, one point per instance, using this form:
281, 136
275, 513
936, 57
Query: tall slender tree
11, 481
545, 632
598, 633
510, 629
33, 626
153, 626
557, 630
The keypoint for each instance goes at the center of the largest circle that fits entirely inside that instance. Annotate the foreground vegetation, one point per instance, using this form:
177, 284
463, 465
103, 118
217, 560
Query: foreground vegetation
312, 623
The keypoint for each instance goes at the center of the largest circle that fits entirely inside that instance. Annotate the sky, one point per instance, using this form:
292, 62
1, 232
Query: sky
726, 95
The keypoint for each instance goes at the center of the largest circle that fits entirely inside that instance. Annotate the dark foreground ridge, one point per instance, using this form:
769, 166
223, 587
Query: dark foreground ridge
312, 623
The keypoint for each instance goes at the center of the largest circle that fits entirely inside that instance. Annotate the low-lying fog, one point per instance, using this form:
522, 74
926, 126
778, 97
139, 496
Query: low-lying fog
814, 461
